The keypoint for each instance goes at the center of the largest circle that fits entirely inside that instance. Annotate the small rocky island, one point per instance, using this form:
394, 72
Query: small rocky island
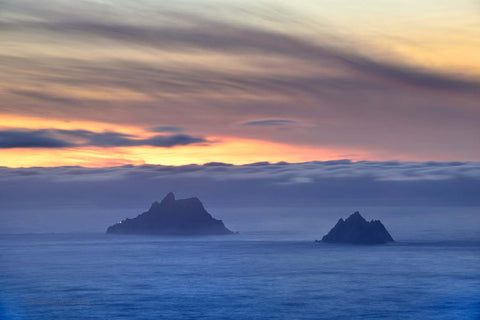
172, 217
356, 230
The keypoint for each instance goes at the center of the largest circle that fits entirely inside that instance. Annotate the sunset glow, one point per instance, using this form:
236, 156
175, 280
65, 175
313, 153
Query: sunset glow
255, 81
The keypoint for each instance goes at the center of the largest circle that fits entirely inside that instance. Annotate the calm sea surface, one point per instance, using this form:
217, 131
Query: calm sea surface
247, 276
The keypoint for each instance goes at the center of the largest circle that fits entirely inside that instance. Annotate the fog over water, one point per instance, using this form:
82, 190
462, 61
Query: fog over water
436, 200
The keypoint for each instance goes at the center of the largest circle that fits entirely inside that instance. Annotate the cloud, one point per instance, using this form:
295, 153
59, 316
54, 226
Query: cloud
171, 141
152, 79
273, 172
42, 96
30, 139
56, 138
157, 59
269, 122
166, 129
216, 36
329, 183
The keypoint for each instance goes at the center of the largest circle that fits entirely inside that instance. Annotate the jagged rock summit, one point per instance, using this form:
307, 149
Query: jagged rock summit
172, 217
356, 230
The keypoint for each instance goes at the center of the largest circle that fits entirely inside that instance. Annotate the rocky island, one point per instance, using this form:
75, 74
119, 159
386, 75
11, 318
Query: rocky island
172, 217
356, 230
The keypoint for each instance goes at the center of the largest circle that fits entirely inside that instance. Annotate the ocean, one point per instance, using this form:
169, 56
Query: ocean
244, 276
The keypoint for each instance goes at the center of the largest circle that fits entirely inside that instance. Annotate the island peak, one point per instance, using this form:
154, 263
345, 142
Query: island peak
172, 217
169, 198
356, 230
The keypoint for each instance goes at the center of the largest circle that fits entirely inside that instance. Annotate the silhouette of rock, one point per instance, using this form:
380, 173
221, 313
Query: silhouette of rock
172, 217
356, 230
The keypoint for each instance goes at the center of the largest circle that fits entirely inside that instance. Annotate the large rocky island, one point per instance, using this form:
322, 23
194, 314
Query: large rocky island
172, 217
356, 230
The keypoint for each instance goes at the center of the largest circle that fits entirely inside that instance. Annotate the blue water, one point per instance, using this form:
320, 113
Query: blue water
248, 276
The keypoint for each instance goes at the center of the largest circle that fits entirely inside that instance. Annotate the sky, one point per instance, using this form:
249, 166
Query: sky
114, 83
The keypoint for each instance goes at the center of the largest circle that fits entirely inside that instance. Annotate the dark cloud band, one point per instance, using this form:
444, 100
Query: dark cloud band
166, 129
55, 138
269, 122
219, 36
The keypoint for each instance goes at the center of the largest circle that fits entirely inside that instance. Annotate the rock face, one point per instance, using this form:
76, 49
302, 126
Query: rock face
172, 217
356, 230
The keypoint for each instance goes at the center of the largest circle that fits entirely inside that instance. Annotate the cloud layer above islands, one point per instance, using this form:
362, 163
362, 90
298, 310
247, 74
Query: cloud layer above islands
257, 184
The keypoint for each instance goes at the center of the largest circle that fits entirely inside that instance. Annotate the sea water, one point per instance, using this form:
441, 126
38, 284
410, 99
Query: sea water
243, 276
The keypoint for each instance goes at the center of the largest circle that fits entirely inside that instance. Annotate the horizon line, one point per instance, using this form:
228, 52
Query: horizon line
258, 163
